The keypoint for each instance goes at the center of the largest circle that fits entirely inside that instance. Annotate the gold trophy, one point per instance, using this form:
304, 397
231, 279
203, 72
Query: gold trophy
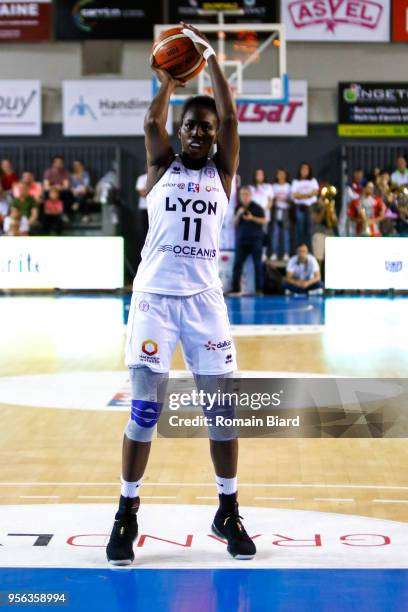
328, 195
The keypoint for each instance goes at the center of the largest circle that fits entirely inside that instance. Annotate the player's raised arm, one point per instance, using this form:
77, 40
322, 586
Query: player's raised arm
227, 137
158, 148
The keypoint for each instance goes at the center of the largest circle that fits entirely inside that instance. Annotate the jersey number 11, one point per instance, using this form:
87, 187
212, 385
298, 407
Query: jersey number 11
186, 221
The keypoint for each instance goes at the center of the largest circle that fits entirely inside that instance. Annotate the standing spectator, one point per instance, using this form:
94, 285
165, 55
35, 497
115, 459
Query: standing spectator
28, 207
304, 194
303, 273
4, 207
262, 194
53, 212
34, 188
57, 176
15, 224
367, 212
400, 176
140, 188
81, 188
358, 181
280, 214
9, 177
249, 220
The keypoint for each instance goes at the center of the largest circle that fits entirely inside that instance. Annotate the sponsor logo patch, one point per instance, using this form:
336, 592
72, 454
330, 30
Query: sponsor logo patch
210, 172
194, 187
210, 345
144, 306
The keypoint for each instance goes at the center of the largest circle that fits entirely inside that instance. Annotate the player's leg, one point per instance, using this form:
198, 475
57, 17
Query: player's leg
150, 319
206, 315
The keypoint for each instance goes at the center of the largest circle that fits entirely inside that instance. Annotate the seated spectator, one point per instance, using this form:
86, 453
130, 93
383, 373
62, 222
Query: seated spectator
81, 189
28, 207
4, 207
53, 212
367, 212
304, 192
400, 176
57, 176
9, 177
280, 214
249, 220
262, 194
15, 224
303, 273
34, 188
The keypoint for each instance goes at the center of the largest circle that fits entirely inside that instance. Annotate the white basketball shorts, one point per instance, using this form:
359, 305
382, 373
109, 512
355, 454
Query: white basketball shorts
200, 322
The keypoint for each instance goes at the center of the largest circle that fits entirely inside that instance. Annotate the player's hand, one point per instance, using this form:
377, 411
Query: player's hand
165, 77
200, 46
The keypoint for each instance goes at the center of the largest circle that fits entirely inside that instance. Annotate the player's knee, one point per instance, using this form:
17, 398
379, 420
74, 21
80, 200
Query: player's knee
219, 407
144, 416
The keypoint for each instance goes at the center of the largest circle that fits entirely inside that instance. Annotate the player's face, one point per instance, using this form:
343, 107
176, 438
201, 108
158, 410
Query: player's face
198, 131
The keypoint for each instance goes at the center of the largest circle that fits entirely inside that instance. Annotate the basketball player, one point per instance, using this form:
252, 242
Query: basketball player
177, 292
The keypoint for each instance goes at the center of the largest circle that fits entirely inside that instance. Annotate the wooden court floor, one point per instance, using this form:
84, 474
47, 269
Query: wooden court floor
73, 456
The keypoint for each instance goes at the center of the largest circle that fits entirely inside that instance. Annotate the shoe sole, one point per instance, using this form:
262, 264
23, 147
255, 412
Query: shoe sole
121, 561
239, 557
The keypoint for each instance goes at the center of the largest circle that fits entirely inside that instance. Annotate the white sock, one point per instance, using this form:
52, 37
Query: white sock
227, 486
130, 489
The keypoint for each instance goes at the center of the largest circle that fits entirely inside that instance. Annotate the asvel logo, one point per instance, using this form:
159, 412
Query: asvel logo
194, 187
15, 106
82, 108
393, 266
361, 13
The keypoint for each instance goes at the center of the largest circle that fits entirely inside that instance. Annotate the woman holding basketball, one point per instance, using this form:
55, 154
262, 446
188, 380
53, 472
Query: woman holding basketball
177, 291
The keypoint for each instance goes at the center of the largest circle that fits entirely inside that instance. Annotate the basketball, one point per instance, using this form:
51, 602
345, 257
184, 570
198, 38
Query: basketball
174, 52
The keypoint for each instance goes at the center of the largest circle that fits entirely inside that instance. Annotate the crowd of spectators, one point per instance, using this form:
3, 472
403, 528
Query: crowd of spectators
31, 207
378, 202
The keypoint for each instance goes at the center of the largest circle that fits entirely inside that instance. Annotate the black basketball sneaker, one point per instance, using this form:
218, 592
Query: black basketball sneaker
230, 528
119, 550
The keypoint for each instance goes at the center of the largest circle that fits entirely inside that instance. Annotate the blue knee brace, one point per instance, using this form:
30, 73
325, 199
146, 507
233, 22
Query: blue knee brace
149, 387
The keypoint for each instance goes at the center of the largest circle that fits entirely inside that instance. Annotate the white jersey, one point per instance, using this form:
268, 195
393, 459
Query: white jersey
186, 209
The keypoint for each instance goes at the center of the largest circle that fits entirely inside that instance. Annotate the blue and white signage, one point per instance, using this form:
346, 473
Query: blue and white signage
366, 263
61, 262
106, 108
20, 108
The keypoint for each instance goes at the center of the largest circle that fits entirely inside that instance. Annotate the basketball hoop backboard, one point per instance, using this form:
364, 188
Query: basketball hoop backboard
253, 60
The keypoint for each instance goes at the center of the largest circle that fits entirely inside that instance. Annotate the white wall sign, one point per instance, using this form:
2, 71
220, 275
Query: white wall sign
106, 108
337, 20
20, 108
366, 263
61, 262
276, 119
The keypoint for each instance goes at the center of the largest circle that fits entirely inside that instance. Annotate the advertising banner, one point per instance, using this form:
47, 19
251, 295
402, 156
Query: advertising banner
399, 26
366, 263
106, 19
106, 108
25, 20
61, 262
344, 20
373, 109
20, 108
256, 11
276, 119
